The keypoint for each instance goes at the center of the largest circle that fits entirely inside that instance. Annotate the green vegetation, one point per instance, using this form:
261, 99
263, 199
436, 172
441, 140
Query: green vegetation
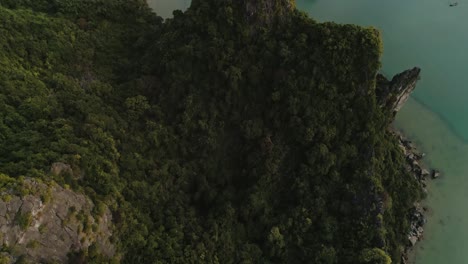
42, 229
33, 244
24, 220
4, 260
212, 138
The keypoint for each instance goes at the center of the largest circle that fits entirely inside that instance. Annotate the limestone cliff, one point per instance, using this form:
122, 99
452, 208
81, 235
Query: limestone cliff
391, 96
44, 222
394, 93
265, 12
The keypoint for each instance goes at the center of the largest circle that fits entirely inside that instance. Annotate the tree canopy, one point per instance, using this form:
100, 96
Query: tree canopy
212, 137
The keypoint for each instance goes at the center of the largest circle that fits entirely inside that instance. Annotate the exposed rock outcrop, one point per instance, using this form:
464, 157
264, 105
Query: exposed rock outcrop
65, 170
416, 216
265, 12
393, 94
417, 222
59, 168
44, 222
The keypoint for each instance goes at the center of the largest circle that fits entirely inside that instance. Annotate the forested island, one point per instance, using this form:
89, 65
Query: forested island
234, 132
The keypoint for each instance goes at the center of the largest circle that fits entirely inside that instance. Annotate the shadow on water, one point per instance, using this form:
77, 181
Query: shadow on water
446, 123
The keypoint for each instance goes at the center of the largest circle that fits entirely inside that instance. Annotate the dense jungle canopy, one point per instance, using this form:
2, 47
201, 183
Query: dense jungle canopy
235, 132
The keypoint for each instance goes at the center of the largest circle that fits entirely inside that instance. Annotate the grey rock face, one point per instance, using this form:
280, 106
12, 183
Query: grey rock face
48, 221
58, 168
269, 10
393, 94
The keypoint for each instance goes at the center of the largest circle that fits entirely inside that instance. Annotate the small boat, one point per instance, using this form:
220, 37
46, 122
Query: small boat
453, 4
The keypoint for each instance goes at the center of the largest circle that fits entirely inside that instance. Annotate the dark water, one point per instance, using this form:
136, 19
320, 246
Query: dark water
433, 36
164, 8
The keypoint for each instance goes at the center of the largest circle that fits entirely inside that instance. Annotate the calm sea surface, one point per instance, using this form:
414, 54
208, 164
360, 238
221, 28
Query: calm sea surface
164, 8
433, 36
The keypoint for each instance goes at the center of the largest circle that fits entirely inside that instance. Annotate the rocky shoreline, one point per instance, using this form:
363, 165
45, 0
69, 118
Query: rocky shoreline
391, 96
422, 175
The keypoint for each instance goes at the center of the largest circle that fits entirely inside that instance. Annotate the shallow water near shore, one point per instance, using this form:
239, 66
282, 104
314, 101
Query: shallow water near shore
446, 233
431, 35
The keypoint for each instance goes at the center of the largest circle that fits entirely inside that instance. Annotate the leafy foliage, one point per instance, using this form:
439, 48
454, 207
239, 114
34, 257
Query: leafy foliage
212, 138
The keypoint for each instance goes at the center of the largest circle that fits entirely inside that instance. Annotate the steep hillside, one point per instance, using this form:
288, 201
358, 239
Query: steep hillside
236, 132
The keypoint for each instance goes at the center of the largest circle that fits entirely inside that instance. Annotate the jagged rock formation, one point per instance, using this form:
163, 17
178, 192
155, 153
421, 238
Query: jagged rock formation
58, 168
265, 12
393, 94
252, 129
44, 222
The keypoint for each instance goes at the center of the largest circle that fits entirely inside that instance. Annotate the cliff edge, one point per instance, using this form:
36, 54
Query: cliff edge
45, 222
393, 94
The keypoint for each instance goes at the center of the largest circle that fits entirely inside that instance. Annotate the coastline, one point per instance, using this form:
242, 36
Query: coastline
415, 166
427, 146
392, 95
444, 236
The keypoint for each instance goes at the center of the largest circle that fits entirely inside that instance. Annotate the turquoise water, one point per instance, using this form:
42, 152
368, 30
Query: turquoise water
433, 36
164, 8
